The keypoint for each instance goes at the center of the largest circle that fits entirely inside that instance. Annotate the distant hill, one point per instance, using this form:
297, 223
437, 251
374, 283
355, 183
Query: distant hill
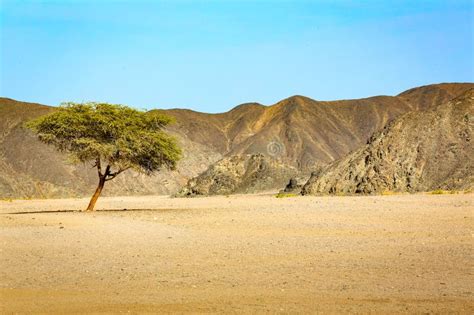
298, 132
29, 168
304, 132
245, 173
419, 151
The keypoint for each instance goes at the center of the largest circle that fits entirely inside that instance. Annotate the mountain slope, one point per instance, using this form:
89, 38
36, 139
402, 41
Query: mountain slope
420, 151
305, 133
297, 132
29, 168
246, 173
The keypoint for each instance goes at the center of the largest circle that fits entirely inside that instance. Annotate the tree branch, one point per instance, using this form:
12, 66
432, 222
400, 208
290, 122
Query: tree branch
107, 171
114, 174
99, 167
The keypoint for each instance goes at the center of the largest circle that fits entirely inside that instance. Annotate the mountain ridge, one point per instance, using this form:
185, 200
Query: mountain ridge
416, 152
299, 132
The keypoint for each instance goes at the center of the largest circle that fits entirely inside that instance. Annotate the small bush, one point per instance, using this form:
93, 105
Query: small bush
285, 195
438, 192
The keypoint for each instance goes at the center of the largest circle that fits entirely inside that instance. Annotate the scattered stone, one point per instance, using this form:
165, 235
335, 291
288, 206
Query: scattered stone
292, 187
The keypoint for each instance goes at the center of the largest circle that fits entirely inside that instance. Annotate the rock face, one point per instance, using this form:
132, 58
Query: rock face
297, 132
420, 151
294, 186
306, 133
31, 169
239, 174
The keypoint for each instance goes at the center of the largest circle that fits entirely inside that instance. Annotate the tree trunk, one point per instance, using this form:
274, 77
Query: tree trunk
96, 194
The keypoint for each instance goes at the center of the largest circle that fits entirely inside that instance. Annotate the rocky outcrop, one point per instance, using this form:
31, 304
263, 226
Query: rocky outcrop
292, 186
297, 132
295, 185
420, 151
303, 132
31, 169
239, 174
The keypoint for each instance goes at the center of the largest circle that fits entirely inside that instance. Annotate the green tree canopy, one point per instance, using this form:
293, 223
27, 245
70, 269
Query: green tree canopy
114, 137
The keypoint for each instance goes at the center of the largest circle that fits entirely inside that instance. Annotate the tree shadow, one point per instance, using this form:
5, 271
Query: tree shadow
92, 212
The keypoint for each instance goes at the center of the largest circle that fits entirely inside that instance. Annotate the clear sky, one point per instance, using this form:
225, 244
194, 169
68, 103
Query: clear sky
213, 55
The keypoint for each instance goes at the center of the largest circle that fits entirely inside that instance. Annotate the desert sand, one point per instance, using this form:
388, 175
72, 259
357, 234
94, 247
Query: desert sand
239, 254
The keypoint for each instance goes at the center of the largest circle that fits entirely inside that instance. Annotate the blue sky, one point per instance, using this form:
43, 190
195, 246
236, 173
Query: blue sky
213, 55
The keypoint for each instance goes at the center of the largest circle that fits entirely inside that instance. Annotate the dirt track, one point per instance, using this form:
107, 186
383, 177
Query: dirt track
241, 254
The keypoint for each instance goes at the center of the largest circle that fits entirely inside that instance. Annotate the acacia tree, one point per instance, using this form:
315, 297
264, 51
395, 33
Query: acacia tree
114, 138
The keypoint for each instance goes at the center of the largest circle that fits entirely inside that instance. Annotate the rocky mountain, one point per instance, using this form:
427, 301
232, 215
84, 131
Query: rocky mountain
29, 168
246, 173
419, 151
303, 132
299, 133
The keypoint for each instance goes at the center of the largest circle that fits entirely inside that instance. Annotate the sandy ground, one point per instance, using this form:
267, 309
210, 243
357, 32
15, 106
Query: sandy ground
239, 254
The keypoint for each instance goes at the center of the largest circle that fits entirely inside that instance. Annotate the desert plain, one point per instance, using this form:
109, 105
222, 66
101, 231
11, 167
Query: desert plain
239, 254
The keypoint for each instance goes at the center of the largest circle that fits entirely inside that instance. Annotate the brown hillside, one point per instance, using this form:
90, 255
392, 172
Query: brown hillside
244, 173
29, 168
305, 133
430, 96
420, 151
299, 132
